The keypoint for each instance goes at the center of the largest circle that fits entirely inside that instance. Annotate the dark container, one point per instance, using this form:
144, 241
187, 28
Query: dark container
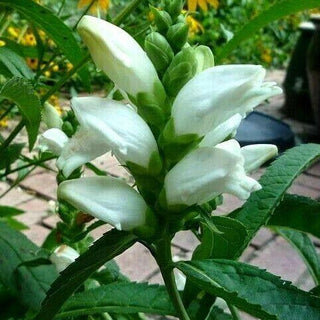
313, 70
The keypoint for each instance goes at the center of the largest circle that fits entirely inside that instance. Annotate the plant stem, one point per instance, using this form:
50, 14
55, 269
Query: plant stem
31, 163
164, 259
3, 115
13, 134
126, 11
234, 312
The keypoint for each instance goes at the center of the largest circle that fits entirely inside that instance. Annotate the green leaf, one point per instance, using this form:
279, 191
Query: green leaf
13, 152
14, 63
55, 28
14, 224
106, 248
298, 212
278, 10
252, 290
304, 246
28, 283
119, 297
21, 92
6, 211
277, 179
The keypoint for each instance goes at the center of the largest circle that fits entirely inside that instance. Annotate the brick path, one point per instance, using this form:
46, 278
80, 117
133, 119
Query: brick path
36, 195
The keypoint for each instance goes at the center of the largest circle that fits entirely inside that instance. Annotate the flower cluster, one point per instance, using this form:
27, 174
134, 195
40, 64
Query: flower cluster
173, 133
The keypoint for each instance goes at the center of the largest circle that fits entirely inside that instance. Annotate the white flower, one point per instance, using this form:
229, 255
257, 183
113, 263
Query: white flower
207, 172
63, 256
257, 154
108, 199
218, 93
108, 125
221, 132
53, 140
51, 117
116, 53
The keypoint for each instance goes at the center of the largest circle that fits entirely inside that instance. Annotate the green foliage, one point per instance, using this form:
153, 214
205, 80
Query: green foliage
12, 64
106, 248
277, 11
298, 212
21, 92
277, 179
28, 283
119, 297
304, 246
252, 290
55, 28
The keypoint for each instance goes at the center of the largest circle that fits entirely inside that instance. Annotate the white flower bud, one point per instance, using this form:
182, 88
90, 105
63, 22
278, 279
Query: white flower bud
63, 256
51, 117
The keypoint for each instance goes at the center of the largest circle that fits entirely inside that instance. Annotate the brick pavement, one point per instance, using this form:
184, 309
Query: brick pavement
35, 195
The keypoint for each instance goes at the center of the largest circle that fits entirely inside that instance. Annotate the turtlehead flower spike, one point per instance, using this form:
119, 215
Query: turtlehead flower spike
107, 125
108, 199
218, 93
207, 172
63, 256
116, 53
257, 154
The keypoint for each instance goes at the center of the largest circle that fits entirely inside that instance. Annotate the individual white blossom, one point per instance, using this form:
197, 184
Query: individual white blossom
108, 199
207, 172
117, 53
218, 93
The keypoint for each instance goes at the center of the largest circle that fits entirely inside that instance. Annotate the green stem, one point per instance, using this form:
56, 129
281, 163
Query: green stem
126, 11
5, 25
13, 134
84, 13
30, 164
164, 259
3, 115
234, 312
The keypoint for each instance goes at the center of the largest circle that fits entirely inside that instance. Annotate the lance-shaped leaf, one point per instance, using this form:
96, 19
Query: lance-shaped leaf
216, 94
277, 179
21, 92
207, 172
119, 297
103, 198
304, 246
298, 212
106, 248
252, 290
116, 53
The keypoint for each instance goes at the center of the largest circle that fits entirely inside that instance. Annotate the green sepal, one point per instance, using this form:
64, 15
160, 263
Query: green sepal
149, 187
159, 51
154, 167
68, 129
150, 227
204, 57
177, 35
149, 109
162, 19
174, 7
182, 69
162, 202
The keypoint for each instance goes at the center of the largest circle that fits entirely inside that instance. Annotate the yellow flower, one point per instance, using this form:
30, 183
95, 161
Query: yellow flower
32, 63
194, 26
47, 73
203, 4
69, 66
266, 56
29, 40
54, 100
98, 6
55, 68
2, 43
13, 32
4, 122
